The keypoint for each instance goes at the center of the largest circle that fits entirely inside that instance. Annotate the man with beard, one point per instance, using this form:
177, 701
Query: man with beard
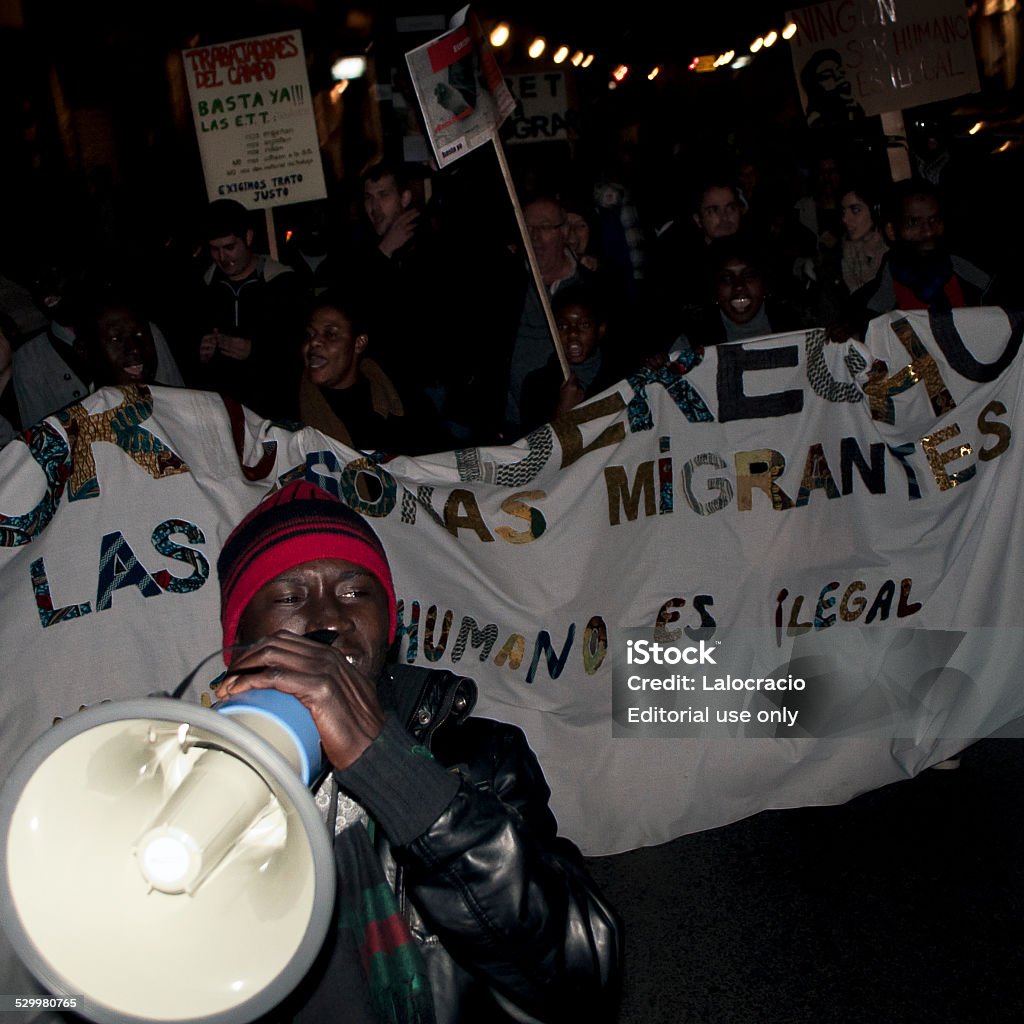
919, 272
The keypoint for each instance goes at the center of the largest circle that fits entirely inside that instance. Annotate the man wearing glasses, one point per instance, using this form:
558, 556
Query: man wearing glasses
546, 222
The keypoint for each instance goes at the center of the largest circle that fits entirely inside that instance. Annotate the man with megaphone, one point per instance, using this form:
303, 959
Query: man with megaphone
456, 899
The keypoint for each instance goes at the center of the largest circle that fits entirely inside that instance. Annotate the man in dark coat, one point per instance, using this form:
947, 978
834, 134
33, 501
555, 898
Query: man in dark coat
457, 901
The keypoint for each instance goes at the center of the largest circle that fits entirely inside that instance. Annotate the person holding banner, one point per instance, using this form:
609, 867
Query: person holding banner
739, 303
348, 396
69, 360
344, 395
676, 285
581, 315
919, 271
457, 900
861, 253
121, 345
545, 219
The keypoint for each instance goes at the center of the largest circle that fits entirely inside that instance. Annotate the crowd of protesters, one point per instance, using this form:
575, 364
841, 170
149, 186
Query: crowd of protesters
400, 314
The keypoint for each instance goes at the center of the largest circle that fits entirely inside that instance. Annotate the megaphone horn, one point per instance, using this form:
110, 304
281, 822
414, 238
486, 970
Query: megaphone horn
166, 862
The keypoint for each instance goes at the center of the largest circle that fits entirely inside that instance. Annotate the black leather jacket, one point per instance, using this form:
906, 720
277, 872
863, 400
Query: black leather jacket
511, 925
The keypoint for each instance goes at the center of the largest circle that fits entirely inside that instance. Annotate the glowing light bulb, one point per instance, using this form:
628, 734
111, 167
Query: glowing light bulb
757, 44
499, 37
789, 31
769, 40
560, 54
537, 47
348, 68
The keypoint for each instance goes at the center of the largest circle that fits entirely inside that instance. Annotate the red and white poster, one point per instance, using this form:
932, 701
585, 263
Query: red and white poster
461, 93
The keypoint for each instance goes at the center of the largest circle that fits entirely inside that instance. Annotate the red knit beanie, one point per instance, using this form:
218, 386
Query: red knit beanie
299, 523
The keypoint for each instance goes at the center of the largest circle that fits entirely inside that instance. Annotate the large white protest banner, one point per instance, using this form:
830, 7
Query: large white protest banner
254, 119
859, 57
461, 93
847, 515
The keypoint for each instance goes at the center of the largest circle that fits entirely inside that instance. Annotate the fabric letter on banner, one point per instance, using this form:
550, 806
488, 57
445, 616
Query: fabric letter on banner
121, 426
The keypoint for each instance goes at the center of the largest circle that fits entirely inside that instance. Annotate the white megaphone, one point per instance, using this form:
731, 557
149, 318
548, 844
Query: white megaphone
164, 862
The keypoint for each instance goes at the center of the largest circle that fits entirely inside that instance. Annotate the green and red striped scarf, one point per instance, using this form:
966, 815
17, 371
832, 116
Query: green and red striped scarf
394, 967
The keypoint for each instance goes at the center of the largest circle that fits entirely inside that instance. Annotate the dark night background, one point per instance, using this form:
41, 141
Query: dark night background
902, 906
98, 139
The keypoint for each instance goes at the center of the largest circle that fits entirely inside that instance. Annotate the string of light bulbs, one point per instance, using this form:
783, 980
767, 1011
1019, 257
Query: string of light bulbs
503, 33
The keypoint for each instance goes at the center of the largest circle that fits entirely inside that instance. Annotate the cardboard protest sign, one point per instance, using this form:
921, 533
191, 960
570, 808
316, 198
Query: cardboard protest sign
544, 113
462, 96
254, 119
854, 58
846, 515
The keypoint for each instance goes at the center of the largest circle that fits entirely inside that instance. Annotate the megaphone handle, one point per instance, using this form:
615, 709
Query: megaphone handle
179, 690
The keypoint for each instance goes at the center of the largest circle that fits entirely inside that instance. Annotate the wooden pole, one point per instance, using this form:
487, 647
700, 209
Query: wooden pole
896, 144
271, 236
542, 291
